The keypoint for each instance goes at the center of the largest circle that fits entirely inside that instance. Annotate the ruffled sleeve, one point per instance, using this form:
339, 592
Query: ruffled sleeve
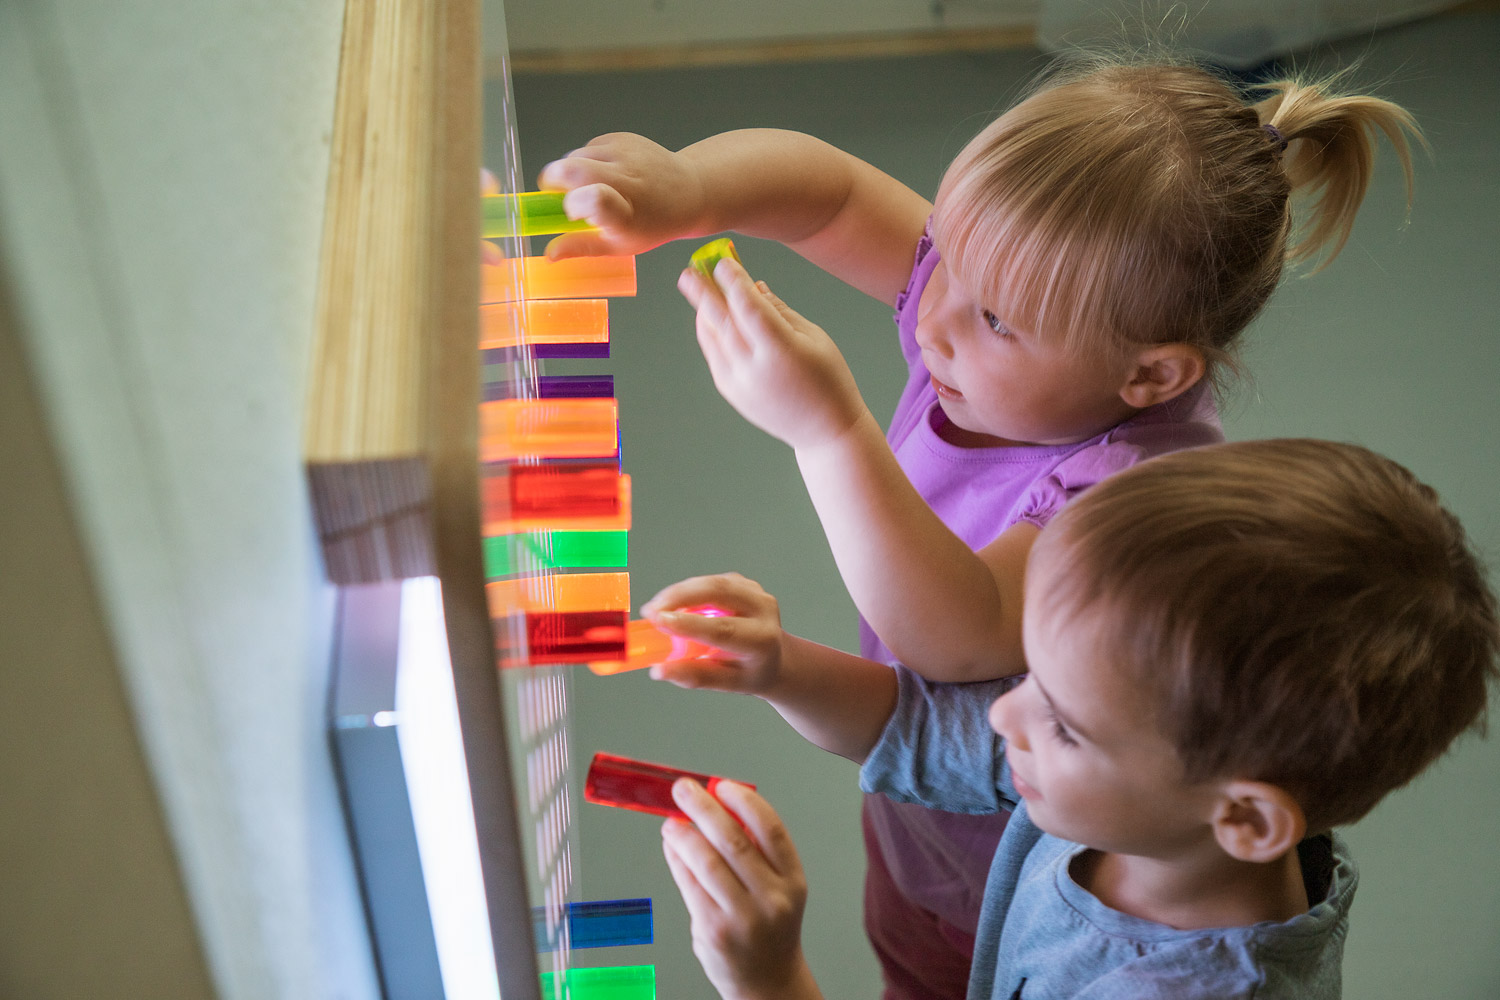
1076, 473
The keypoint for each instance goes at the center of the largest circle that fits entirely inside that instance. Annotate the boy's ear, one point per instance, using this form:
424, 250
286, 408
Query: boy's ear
1257, 821
1161, 372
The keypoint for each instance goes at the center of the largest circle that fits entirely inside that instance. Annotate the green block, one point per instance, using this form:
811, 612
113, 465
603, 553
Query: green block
532, 213
521, 553
620, 982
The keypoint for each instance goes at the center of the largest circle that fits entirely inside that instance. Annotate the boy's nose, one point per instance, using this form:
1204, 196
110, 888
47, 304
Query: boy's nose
1002, 717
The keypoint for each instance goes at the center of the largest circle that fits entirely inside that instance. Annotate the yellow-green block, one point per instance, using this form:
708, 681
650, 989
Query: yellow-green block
532, 213
707, 257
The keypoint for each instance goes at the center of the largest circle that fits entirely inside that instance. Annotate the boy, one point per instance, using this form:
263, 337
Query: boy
1232, 650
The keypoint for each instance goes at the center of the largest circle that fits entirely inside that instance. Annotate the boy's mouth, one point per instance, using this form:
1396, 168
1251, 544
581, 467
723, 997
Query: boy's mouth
945, 390
1023, 787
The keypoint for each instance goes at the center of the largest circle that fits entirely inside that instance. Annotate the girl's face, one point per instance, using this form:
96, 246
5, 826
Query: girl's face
999, 385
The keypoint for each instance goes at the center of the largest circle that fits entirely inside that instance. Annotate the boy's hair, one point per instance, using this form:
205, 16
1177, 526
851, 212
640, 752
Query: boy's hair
1142, 204
1295, 611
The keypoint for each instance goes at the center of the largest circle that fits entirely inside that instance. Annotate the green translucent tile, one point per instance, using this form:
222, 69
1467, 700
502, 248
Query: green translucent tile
535, 213
521, 553
620, 982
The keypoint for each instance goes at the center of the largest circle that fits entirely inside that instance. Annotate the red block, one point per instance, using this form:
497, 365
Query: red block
638, 785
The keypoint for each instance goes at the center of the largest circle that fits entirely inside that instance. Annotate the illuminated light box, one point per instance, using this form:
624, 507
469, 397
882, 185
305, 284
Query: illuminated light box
505, 555
521, 279
624, 982
530, 213
544, 321
607, 923
511, 429
640, 786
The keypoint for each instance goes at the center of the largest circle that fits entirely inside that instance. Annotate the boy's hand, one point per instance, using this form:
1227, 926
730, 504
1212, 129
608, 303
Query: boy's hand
638, 193
743, 885
749, 634
782, 373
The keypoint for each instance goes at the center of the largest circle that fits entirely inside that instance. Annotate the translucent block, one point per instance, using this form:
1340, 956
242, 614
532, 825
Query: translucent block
511, 429
573, 637
530, 551
544, 321
575, 386
561, 592
622, 982
706, 257
522, 279
537, 498
607, 923
645, 644
638, 785
531, 213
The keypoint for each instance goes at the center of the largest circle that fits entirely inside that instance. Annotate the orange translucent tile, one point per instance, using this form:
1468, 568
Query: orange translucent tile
559, 592
544, 321
502, 518
646, 645
583, 427
522, 278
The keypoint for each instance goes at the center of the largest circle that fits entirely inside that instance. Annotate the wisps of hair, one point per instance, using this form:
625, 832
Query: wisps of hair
1295, 611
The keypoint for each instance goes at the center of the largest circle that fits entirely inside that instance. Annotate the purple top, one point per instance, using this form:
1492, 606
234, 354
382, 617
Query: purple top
939, 860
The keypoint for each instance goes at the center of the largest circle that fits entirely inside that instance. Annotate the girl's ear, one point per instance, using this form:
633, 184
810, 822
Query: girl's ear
1257, 821
1161, 372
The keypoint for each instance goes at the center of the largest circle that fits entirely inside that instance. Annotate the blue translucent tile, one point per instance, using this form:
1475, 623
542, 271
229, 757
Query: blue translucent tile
600, 924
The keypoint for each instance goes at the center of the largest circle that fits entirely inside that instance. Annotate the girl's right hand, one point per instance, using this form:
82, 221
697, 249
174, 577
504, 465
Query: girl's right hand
748, 634
639, 194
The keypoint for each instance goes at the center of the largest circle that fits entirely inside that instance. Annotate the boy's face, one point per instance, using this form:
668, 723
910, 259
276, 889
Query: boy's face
1083, 749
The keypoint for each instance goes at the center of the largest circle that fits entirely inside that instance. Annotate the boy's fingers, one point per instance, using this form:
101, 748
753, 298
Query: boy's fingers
728, 591
697, 674
707, 850
693, 894
764, 825
747, 866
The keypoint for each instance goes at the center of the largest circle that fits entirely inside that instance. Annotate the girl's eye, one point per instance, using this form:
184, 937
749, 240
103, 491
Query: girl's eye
995, 324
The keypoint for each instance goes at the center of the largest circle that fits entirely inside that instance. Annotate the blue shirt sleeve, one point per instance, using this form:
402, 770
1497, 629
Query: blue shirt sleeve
938, 750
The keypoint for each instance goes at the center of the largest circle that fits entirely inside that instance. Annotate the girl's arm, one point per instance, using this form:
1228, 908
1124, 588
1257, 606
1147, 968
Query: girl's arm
836, 700
948, 613
851, 219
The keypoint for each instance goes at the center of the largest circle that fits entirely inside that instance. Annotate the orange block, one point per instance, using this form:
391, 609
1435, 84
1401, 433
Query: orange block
559, 593
544, 321
583, 427
522, 278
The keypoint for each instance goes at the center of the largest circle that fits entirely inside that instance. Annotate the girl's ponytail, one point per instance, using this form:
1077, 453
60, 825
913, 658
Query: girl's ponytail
1330, 154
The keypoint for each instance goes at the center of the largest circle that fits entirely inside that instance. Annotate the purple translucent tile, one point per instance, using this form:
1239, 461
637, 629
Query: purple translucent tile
573, 386
570, 350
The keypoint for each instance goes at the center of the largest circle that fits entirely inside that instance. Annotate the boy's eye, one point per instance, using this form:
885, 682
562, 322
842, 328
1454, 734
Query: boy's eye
1063, 736
995, 324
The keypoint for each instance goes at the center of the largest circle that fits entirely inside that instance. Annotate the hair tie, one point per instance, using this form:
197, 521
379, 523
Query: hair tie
1276, 137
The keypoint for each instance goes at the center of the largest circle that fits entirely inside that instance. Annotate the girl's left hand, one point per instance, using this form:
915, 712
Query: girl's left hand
744, 889
782, 373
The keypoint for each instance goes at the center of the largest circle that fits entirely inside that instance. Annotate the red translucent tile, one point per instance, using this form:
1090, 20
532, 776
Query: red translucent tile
575, 636
638, 785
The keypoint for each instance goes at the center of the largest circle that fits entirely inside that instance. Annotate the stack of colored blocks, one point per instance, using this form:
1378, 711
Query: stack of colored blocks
556, 503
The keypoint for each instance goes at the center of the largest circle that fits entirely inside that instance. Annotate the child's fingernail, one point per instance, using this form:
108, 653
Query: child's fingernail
685, 789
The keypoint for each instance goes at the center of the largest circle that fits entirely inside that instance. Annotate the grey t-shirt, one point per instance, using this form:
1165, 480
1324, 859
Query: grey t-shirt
1041, 935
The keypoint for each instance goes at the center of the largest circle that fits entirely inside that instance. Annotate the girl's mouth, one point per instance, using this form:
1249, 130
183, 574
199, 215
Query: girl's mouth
944, 390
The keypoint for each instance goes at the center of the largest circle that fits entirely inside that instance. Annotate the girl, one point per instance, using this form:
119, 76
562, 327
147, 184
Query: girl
1063, 309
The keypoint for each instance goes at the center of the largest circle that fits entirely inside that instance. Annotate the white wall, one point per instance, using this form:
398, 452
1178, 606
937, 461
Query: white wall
162, 170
